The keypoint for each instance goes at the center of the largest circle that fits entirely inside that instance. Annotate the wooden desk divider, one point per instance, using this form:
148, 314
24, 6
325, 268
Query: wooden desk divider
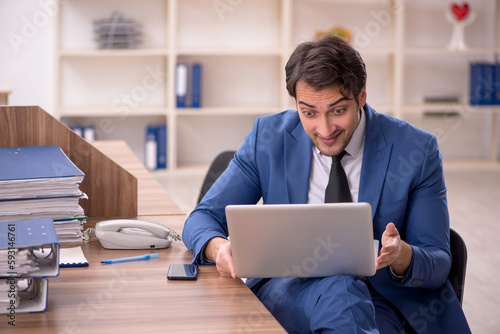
112, 191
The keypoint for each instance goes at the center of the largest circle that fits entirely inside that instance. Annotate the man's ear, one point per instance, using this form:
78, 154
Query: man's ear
362, 97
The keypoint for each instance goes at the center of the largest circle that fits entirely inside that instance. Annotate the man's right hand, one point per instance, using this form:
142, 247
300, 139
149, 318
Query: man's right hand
218, 251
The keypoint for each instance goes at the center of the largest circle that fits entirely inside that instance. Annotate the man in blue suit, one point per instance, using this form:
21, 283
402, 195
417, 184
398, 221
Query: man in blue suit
390, 164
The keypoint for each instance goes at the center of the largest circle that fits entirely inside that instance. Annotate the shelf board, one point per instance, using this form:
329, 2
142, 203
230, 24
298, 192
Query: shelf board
445, 107
228, 52
444, 50
112, 52
227, 111
109, 112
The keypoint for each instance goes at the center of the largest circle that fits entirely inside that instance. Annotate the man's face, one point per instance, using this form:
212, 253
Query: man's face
329, 119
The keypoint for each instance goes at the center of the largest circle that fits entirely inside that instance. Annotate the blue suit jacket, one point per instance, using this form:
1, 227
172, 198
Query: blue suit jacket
402, 179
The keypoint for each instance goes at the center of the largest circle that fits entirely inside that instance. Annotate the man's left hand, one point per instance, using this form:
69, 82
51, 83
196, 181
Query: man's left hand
394, 252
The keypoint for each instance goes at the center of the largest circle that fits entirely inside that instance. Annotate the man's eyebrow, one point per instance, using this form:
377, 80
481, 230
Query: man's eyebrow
330, 105
339, 100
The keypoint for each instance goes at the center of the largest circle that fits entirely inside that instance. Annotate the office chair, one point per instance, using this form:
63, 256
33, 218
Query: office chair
458, 264
218, 165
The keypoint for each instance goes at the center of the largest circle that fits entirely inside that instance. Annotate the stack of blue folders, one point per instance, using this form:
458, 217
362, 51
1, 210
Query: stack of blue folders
29, 253
42, 182
484, 83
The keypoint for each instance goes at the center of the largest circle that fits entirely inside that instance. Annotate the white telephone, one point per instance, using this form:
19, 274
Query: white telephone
134, 234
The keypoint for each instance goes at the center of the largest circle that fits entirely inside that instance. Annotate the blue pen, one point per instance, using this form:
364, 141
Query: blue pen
132, 258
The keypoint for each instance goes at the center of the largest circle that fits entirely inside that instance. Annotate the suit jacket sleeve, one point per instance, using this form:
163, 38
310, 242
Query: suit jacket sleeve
239, 184
426, 226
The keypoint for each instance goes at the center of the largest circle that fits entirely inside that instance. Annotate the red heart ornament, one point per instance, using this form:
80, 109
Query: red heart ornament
460, 11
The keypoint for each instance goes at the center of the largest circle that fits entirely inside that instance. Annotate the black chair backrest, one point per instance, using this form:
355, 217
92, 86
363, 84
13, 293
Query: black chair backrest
218, 166
459, 264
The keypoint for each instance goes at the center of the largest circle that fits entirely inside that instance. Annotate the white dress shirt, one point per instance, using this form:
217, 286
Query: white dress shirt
351, 162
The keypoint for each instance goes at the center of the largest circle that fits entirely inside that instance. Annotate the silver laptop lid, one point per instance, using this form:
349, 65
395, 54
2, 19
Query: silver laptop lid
302, 240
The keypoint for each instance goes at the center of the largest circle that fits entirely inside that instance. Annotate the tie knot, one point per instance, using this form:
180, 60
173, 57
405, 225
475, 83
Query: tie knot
338, 158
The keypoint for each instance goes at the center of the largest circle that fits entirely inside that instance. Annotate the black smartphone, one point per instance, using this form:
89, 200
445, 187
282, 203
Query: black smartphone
182, 272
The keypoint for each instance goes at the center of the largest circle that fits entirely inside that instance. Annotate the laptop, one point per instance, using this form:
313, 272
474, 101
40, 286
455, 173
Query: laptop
302, 240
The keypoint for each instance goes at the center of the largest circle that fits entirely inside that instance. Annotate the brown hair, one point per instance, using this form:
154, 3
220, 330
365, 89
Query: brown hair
327, 62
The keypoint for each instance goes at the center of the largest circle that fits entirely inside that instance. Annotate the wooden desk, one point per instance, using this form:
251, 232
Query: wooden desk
136, 297
152, 198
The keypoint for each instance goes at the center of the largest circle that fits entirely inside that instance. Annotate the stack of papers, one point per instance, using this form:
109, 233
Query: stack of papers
21, 260
117, 32
41, 182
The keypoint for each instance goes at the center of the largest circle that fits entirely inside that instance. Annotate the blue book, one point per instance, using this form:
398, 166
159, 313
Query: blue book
36, 162
38, 236
196, 86
181, 83
161, 148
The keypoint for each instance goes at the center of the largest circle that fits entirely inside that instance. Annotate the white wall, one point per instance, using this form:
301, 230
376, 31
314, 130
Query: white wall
26, 51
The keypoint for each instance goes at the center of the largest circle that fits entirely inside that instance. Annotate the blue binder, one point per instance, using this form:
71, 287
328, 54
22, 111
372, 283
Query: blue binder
38, 235
35, 162
161, 138
181, 84
476, 88
488, 83
196, 86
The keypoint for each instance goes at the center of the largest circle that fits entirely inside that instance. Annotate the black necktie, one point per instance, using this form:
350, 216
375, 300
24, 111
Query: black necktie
337, 189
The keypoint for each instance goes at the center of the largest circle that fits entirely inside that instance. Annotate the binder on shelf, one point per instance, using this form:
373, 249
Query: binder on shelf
36, 236
496, 84
161, 145
155, 148
86, 132
196, 75
476, 88
150, 148
181, 84
484, 84
488, 82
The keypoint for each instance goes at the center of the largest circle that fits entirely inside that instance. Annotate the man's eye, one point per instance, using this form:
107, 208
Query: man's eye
339, 111
308, 113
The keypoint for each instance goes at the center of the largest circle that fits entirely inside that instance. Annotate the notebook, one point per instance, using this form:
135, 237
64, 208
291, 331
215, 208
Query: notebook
302, 240
72, 257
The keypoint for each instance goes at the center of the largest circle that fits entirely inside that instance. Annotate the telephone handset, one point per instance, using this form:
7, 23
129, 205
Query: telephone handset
133, 234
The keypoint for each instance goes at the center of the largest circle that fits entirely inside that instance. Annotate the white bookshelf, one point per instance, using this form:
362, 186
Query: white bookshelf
243, 51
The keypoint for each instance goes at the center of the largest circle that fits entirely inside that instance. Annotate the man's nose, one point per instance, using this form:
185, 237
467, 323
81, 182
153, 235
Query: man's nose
325, 127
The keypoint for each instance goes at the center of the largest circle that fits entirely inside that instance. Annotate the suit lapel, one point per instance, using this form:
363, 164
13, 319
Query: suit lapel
298, 146
376, 158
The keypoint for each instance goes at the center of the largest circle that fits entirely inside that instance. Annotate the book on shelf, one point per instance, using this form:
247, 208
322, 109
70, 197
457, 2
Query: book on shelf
29, 253
155, 147
41, 182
